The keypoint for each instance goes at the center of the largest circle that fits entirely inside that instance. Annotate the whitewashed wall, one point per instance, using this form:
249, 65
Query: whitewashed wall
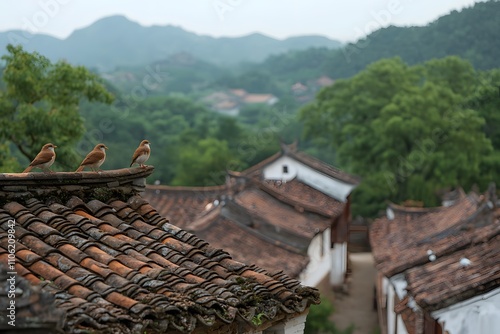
395, 324
326, 184
478, 315
339, 264
319, 265
291, 326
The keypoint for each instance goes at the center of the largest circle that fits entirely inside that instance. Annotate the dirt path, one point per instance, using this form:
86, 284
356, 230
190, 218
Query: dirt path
356, 307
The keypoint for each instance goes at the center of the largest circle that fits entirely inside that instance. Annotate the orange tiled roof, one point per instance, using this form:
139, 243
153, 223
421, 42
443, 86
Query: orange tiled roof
249, 245
260, 204
468, 229
257, 98
183, 205
112, 262
255, 207
303, 196
402, 243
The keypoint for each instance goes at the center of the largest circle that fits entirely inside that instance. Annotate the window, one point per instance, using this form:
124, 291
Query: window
285, 169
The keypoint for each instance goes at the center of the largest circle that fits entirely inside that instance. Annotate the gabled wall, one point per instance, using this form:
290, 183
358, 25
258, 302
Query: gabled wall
319, 181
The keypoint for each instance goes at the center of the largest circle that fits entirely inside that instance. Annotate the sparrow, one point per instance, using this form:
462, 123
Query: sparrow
44, 159
141, 154
94, 159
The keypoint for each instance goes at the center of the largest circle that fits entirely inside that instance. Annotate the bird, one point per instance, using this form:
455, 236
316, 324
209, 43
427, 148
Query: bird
141, 154
94, 159
44, 159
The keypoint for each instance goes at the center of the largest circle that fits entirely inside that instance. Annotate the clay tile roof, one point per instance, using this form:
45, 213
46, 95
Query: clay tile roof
113, 263
260, 204
446, 281
254, 247
183, 205
469, 229
404, 241
257, 98
34, 305
303, 197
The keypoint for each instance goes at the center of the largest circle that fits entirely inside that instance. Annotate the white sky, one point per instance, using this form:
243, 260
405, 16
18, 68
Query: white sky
345, 20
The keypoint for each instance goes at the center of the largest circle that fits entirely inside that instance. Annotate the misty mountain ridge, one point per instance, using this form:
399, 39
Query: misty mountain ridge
116, 41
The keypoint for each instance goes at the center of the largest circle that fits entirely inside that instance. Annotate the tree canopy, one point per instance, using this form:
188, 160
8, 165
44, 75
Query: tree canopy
40, 105
407, 130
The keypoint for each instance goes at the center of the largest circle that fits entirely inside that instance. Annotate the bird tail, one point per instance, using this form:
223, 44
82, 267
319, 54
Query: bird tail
80, 168
28, 169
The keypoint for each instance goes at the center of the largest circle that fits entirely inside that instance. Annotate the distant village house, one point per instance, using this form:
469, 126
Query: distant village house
290, 212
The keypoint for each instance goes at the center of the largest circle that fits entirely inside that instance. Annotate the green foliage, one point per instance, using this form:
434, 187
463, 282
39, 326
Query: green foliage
318, 320
454, 34
407, 131
204, 163
40, 104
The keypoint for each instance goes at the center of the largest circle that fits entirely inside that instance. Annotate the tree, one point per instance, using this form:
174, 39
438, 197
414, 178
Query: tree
204, 163
318, 323
40, 103
405, 130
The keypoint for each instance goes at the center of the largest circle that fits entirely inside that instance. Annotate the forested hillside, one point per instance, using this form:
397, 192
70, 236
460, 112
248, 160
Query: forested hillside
453, 34
116, 41
471, 34
414, 112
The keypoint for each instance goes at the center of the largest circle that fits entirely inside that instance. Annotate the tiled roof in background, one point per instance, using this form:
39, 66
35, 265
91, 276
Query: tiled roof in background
183, 205
304, 197
248, 245
403, 242
447, 254
114, 263
258, 217
280, 215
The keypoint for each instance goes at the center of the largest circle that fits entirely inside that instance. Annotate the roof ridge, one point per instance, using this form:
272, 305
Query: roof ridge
64, 178
125, 181
323, 167
186, 188
287, 200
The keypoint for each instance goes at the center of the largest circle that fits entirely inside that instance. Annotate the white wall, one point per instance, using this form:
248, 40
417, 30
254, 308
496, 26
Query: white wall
478, 315
326, 184
291, 326
395, 324
319, 265
339, 264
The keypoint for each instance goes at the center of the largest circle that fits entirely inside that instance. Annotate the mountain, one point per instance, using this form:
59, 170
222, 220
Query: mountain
471, 33
116, 41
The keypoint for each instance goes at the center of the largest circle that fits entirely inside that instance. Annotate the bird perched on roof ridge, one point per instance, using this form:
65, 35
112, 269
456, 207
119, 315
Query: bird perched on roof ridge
94, 159
44, 159
141, 154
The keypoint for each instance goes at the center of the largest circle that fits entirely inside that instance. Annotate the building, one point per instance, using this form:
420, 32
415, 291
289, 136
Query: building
439, 268
231, 101
111, 263
290, 205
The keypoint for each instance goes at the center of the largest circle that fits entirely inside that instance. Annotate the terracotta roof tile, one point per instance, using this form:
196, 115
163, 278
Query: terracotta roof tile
304, 197
255, 247
114, 263
469, 229
281, 215
397, 251
181, 205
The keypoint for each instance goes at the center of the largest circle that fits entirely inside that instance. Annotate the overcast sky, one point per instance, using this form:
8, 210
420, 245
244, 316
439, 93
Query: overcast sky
344, 20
